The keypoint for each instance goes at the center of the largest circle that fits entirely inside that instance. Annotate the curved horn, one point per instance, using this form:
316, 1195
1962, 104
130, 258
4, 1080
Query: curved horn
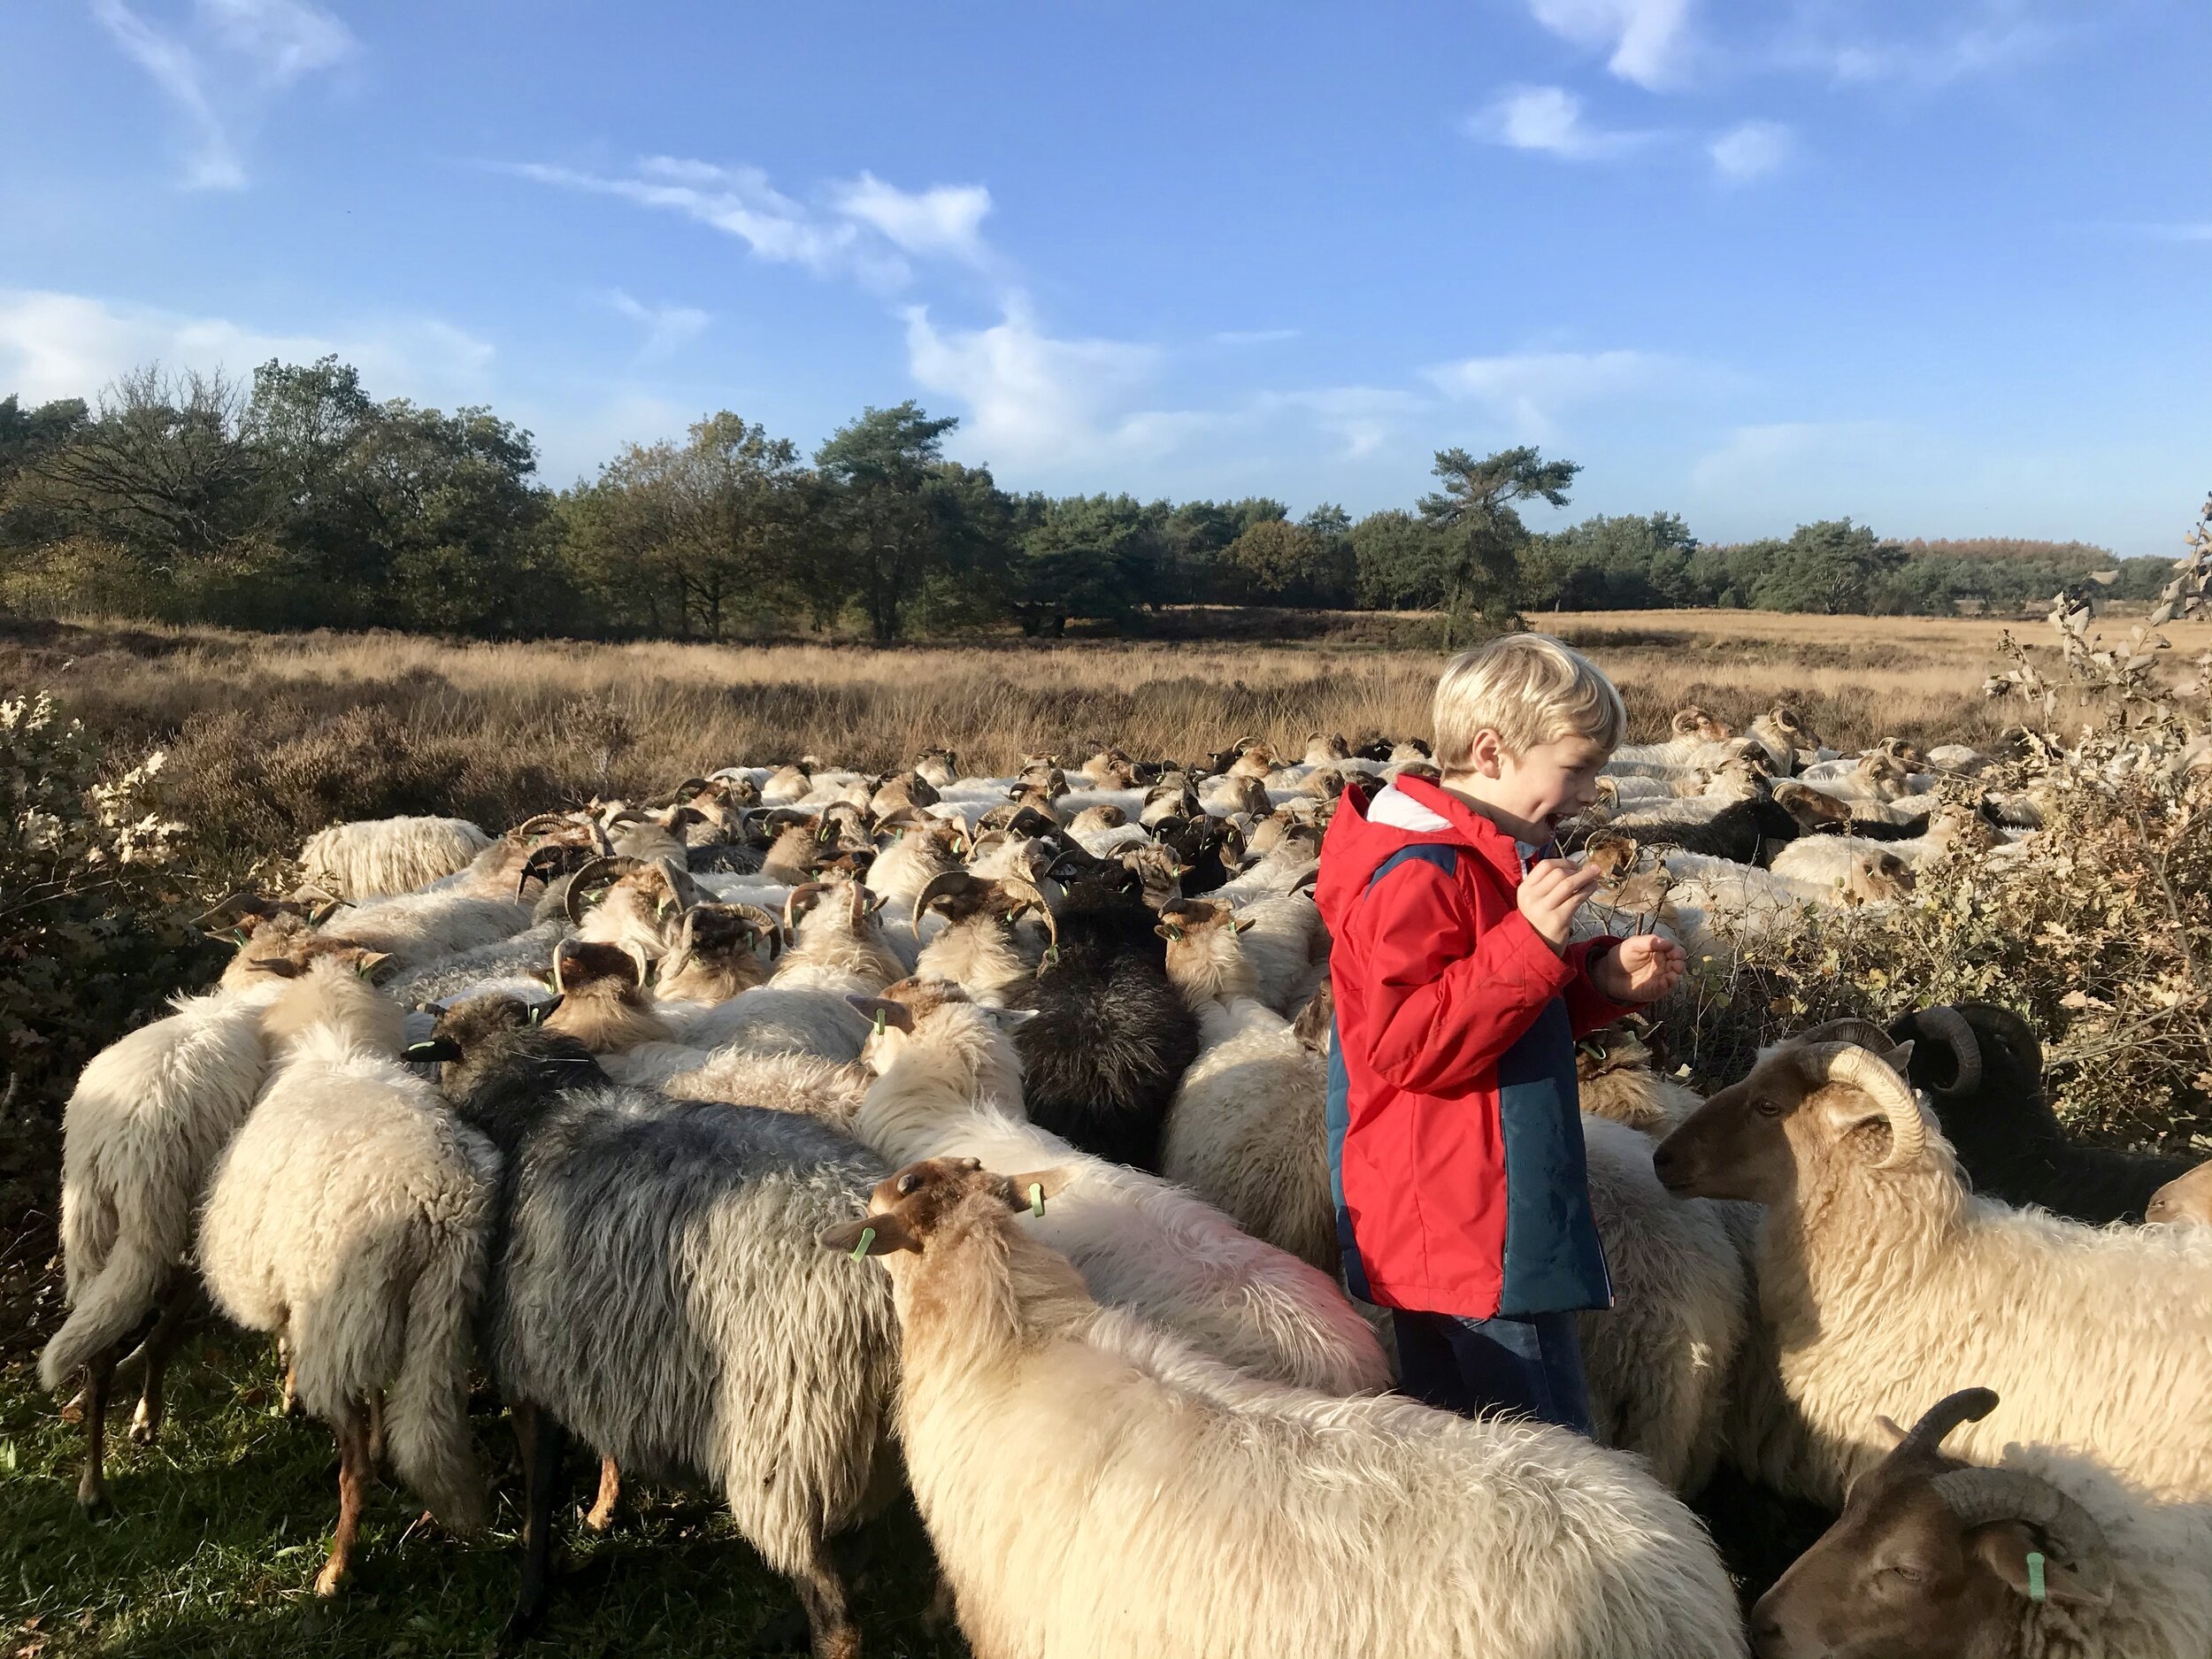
1862, 1033
1859, 1068
571, 901
1949, 1027
680, 883
804, 890
765, 921
1967, 1405
1977, 1496
937, 887
636, 954
1032, 897
1306, 879
1243, 743
540, 824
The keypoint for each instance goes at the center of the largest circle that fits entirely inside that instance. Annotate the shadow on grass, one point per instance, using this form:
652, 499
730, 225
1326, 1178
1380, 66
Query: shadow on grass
219, 1530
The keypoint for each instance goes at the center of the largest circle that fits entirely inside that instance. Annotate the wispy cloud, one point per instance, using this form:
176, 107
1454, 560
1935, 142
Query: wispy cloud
1361, 420
69, 345
1994, 36
1033, 399
865, 229
1756, 456
1752, 150
666, 327
276, 42
1646, 41
1548, 119
1532, 391
1252, 336
2198, 231
943, 222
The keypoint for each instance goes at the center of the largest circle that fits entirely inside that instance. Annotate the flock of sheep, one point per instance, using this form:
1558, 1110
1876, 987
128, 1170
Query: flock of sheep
574, 1110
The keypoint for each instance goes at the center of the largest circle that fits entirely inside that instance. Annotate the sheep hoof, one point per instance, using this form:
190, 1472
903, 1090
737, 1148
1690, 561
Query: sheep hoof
331, 1579
145, 1426
96, 1506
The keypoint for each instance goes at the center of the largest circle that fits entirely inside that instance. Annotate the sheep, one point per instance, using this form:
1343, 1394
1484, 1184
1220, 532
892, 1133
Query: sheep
1111, 1036
948, 1082
375, 858
2185, 1201
1095, 1488
1732, 829
1842, 872
1614, 1073
142, 1129
1982, 1070
1690, 729
2044, 1556
940, 768
979, 948
745, 1356
350, 1216
1879, 1277
1829, 857
643, 905
417, 929
1247, 1131
1782, 731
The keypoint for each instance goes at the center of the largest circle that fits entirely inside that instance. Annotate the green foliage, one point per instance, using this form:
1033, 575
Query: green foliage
1483, 568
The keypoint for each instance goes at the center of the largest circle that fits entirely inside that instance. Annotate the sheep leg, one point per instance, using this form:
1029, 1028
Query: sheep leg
602, 1513
543, 1444
376, 1428
161, 1344
92, 1487
822, 1593
354, 1466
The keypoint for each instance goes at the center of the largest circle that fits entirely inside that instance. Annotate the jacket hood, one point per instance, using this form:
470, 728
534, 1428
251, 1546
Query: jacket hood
1367, 831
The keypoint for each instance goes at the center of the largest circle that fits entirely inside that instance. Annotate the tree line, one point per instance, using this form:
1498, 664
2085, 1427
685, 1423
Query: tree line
297, 500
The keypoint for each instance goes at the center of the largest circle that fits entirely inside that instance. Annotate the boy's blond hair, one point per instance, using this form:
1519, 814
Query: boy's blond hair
1529, 688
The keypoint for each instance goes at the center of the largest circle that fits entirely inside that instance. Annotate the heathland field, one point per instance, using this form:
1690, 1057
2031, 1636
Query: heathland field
220, 1527
272, 736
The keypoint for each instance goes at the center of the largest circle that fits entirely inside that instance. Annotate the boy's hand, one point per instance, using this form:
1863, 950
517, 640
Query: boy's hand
1639, 970
1552, 892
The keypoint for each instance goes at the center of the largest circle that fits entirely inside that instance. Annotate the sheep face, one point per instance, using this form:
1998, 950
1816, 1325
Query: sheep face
924, 1200
2187, 1200
1198, 934
903, 1013
718, 954
1930, 1558
1878, 876
1815, 811
1750, 1141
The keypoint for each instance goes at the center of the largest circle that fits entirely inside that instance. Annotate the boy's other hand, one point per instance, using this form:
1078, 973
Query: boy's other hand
1639, 970
1552, 892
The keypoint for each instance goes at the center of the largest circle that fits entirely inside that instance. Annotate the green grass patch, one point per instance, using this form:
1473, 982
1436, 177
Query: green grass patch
219, 1530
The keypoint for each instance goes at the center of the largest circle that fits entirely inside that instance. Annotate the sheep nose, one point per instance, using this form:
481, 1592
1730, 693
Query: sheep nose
1767, 1639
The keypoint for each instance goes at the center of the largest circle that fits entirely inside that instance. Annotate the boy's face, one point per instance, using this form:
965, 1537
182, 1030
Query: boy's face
1527, 795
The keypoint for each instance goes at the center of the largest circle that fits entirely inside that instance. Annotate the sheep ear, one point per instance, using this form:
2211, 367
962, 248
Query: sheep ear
377, 966
1010, 1018
1890, 1432
871, 1235
1244, 924
434, 1048
882, 1010
1028, 1192
2005, 1547
540, 1012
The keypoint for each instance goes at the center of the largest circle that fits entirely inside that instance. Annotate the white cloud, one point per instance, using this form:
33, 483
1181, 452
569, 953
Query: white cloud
71, 345
1997, 35
1549, 120
1531, 390
1752, 150
944, 220
1647, 40
1034, 399
1361, 419
1253, 336
863, 233
280, 40
284, 38
666, 327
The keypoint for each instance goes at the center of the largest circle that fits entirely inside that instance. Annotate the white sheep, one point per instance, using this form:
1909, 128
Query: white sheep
1881, 1279
1095, 1488
352, 1216
142, 1129
373, 857
948, 1083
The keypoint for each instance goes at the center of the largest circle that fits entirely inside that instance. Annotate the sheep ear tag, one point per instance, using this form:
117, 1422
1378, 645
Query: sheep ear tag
2037, 1589
867, 1234
1036, 1198
879, 1021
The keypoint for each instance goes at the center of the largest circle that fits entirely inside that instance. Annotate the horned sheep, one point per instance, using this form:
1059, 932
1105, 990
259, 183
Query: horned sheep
374, 857
1095, 1488
1881, 1277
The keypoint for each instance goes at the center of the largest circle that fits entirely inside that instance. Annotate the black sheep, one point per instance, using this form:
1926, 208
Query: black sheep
1982, 1069
1112, 1036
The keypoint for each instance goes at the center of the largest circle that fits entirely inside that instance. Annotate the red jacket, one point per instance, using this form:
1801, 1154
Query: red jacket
1456, 1133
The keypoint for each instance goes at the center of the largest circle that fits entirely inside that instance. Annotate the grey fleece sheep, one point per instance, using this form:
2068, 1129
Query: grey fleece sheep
659, 1294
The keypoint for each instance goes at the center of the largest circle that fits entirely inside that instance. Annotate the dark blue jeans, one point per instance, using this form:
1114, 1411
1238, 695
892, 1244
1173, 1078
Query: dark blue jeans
1530, 1366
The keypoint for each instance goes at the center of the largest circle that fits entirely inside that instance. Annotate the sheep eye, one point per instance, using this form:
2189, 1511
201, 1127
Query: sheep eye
1767, 1108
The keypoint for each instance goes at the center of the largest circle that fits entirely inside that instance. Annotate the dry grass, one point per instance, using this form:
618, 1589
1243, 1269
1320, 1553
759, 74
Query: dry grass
274, 736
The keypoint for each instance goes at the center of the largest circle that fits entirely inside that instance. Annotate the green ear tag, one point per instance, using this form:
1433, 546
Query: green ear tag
1036, 1198
878, 1022
1174, 932
867, 1237
2035, 1589
1052, 954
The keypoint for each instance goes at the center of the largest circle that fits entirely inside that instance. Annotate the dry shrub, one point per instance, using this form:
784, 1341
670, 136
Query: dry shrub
2098, 929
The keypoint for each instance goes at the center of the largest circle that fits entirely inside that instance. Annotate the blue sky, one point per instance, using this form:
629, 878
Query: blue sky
1944, 266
